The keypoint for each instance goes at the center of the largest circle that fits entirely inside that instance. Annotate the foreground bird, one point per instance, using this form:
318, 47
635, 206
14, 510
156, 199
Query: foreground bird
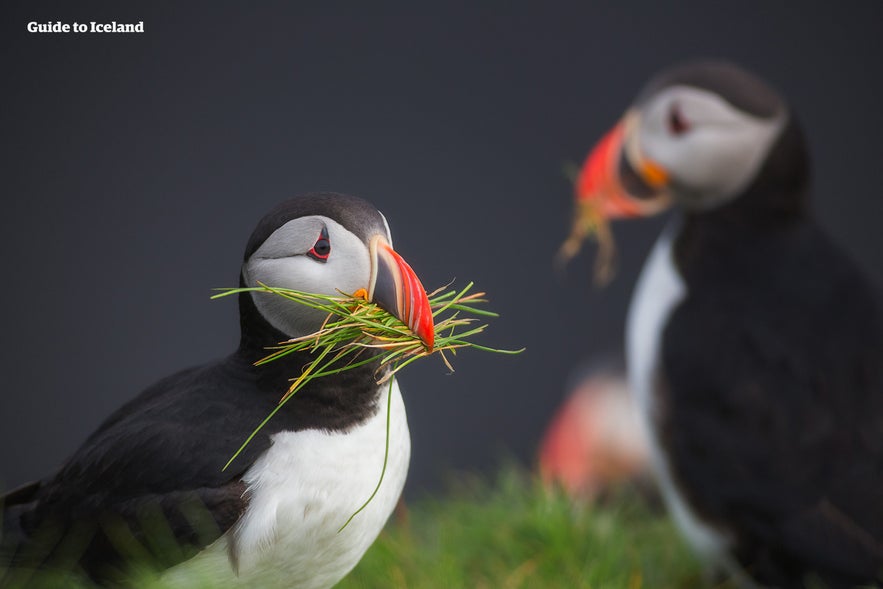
755, 346
149, 482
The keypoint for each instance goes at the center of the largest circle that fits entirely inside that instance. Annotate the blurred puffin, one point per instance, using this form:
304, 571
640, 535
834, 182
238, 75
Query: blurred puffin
754, 345
595, 441
151, 475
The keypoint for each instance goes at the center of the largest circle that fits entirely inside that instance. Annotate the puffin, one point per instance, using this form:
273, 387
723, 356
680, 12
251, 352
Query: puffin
150, 484
595, 441
754, 343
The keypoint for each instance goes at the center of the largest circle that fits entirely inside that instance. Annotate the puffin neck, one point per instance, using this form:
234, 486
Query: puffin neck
353, 393
255, 332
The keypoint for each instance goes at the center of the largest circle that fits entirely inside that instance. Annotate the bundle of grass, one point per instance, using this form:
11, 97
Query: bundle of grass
354, 325
588, 222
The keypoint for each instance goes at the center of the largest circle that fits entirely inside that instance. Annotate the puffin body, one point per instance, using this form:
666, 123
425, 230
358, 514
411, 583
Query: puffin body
150, 484
755, 346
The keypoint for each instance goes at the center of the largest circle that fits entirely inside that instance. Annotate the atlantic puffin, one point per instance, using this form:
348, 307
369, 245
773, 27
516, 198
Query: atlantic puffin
754, 344
595, 441
150, 481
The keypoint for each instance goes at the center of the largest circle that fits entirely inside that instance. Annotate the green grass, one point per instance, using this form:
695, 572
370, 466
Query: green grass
510, 533
513, 533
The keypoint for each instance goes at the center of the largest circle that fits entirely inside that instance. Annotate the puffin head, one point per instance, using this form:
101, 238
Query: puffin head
699, 135
328, 243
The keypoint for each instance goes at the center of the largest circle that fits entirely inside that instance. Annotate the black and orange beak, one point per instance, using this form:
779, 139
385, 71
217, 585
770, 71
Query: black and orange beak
617, 180
396, 288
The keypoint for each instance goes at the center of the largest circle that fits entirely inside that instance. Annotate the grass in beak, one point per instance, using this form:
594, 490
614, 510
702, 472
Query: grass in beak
590, 222
354, 325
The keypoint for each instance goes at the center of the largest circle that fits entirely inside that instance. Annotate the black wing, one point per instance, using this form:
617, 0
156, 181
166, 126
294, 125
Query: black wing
149, 484
772, 411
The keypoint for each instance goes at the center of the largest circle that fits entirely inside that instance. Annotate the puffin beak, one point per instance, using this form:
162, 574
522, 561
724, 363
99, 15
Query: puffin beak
396, 288
617, 180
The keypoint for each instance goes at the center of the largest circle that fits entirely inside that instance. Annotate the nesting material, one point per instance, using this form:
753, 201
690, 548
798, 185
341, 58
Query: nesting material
354, 325
590, 222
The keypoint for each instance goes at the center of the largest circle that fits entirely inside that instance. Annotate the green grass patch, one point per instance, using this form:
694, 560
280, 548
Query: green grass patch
514, 533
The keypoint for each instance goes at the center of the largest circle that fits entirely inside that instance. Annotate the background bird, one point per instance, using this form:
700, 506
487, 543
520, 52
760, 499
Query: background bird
149, 481
595, 440
755, 346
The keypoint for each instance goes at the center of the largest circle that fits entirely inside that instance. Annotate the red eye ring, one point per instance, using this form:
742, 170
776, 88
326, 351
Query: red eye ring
322, 248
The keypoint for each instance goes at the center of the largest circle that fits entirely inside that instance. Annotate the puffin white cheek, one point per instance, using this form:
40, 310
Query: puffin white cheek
290, 272
341, 273
734, 159
349, 272
712, 163
715, 163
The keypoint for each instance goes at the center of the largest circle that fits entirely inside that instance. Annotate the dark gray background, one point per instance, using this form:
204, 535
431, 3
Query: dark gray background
135, 167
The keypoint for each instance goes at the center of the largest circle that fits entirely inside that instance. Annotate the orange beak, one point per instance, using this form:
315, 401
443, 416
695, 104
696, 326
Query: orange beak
617, 180
396, 288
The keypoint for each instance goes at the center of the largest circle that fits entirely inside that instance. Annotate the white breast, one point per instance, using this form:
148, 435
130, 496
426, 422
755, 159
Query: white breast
302, 490
658, 292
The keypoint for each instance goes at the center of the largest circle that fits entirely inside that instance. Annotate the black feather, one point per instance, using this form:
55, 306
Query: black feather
771, 397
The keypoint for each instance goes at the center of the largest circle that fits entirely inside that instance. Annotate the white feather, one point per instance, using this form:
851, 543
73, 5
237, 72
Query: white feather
301, 491
658, 292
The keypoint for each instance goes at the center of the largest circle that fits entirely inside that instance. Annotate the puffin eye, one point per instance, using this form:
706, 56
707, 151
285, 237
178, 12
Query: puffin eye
322, 248
677, 124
